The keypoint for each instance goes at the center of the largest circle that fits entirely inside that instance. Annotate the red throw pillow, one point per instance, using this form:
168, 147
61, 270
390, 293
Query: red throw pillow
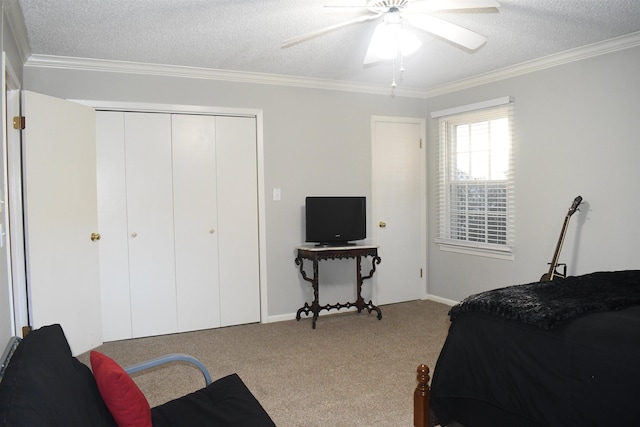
120, 393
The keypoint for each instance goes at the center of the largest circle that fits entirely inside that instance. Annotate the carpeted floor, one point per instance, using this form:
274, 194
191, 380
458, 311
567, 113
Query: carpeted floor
353, 370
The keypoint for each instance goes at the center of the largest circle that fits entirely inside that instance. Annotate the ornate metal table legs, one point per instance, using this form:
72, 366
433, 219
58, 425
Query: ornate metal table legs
315, 306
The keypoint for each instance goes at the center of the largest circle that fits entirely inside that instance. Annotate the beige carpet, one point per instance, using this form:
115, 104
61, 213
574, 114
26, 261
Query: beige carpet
353, 370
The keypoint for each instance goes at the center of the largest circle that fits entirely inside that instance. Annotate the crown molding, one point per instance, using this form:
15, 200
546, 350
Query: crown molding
88, 64
11, 9
607, 46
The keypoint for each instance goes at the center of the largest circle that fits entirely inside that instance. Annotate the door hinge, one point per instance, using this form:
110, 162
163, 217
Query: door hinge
25, 331
420, 143
18, 122
421, 273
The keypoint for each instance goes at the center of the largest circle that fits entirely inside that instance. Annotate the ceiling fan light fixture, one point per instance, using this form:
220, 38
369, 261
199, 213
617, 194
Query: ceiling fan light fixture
391, 39
408, 42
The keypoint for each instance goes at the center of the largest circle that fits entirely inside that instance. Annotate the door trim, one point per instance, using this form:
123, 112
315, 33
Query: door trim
214, 111
15, 229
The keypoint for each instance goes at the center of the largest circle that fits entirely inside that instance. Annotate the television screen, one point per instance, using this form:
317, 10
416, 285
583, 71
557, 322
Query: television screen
335, 220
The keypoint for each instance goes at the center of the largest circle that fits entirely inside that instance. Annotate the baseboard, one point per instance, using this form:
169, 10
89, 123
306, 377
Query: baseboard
441, 300
291, 316
281, 317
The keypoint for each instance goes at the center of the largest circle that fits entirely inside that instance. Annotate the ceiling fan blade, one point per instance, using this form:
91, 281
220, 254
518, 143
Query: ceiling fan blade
437, 5
345, 6
308, 36
448, 31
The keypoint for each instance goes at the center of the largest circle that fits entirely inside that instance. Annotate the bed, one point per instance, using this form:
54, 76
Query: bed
560, 353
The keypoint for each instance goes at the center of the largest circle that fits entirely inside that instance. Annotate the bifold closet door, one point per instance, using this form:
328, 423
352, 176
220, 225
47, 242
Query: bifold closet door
195, 217
150, 223
238, 220
112, 223
178, 214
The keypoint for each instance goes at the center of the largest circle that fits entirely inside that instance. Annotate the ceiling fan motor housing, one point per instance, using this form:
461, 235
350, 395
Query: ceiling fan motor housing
383, 6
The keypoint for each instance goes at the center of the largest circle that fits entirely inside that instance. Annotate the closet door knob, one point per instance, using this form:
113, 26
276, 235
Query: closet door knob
212, 231
95, 236
382, 224
134, 234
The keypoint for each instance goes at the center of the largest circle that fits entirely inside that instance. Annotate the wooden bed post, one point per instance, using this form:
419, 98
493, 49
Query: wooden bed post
421, 412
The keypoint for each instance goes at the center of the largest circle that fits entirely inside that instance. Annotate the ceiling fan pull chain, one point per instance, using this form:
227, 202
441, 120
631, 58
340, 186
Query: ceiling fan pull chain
393, 82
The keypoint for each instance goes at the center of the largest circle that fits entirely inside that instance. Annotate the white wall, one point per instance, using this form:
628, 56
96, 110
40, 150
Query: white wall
316, 142
577, 130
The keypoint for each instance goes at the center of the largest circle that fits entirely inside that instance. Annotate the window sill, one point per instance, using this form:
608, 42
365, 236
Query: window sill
504, 253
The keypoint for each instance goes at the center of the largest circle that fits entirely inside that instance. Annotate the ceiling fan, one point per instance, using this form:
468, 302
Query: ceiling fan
391, 37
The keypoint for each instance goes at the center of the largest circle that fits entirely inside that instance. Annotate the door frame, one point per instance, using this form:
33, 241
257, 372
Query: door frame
16, 216
214, 111
423, 229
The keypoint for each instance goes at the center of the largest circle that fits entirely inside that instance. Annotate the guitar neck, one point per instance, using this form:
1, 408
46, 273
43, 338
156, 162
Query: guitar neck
554, 262
556, 254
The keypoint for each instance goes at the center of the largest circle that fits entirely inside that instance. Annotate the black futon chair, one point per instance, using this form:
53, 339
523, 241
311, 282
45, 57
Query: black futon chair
44, 385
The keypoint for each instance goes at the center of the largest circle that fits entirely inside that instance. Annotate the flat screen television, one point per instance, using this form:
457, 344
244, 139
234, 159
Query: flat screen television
335, 221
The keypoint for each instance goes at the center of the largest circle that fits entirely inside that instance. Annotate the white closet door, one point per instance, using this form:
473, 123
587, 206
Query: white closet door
150, 223
238, 220
112, 222
195, 217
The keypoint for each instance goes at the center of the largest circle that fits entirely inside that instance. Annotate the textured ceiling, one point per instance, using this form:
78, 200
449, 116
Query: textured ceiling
246, 35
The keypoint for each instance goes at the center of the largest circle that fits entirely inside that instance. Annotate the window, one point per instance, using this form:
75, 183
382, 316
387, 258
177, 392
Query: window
476, 188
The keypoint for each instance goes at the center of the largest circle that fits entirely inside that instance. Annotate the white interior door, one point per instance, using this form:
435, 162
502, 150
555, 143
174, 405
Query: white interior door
61, 214
399, 208
196, 223
150, 223
238, 220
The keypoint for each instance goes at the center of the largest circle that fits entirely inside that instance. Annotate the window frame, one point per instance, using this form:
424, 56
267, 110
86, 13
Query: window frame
475, 113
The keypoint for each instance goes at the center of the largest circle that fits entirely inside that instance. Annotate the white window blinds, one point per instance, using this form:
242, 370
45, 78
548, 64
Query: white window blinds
476, 185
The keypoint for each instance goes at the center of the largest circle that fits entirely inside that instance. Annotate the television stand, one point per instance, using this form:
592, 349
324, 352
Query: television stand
315, 254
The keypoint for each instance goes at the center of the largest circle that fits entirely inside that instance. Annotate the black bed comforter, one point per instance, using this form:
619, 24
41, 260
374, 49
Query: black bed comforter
504, 366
